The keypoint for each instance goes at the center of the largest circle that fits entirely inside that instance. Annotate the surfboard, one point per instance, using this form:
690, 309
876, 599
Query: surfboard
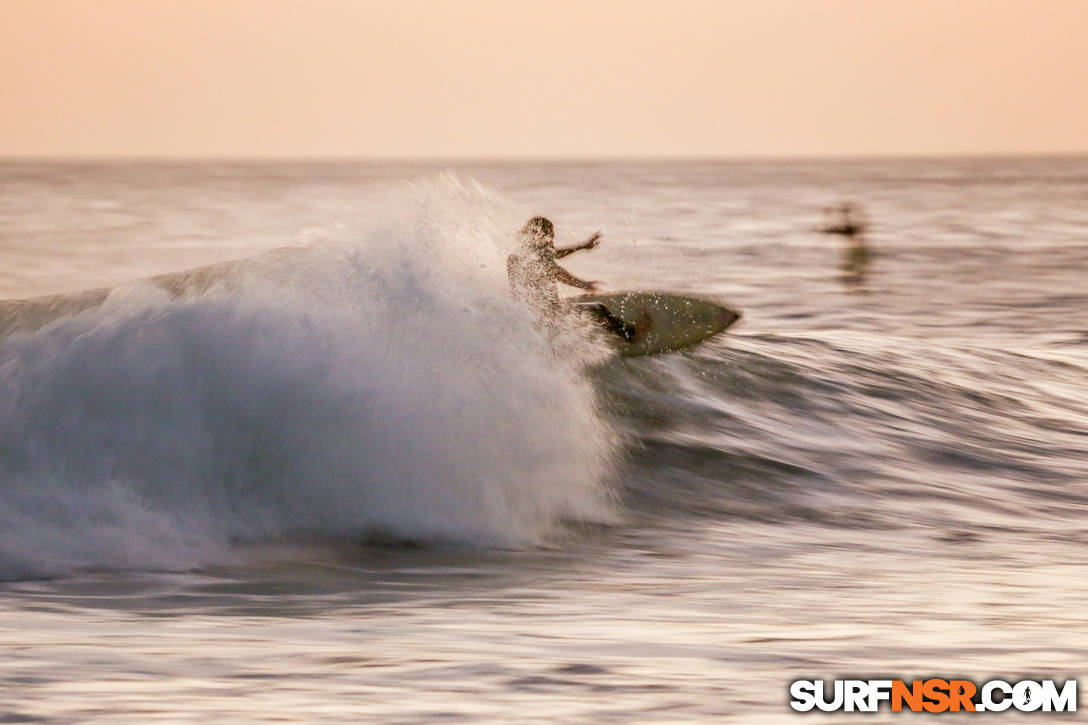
656, 322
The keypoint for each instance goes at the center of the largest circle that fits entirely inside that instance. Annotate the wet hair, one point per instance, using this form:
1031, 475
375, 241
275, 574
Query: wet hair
539, 228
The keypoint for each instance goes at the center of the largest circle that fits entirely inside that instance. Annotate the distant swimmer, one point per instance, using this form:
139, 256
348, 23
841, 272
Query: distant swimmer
850, 221
534, 274
847, 220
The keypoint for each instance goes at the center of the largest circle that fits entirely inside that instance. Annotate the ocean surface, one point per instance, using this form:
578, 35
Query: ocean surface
348, 479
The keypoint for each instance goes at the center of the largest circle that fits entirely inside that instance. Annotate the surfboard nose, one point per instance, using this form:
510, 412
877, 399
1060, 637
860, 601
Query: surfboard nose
727, 316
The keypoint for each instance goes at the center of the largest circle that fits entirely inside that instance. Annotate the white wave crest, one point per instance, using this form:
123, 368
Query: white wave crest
379, 381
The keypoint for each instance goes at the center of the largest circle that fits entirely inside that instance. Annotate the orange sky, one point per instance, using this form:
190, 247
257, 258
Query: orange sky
562, 78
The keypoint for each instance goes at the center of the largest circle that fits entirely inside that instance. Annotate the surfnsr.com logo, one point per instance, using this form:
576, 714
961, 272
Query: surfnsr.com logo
934, 695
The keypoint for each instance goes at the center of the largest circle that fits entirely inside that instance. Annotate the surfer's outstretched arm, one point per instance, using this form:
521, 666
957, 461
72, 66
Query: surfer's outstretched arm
590, 243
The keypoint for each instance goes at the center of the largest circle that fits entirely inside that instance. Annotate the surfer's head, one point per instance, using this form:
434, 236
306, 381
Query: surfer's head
538, 231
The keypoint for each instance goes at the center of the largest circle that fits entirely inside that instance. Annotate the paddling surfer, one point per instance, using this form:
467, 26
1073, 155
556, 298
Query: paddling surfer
850, 222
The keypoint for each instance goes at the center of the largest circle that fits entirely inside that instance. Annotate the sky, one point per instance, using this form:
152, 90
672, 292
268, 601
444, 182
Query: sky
503, 79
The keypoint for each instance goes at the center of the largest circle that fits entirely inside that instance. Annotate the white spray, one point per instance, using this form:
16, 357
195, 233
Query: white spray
381, 380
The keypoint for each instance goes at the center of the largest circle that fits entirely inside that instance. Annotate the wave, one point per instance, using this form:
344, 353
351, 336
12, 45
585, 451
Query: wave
379, 381
854, 430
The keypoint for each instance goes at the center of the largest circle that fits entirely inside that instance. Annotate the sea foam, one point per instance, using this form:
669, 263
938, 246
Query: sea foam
378, 381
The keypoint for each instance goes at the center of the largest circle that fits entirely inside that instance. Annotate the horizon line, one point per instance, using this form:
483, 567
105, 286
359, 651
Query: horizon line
486, 159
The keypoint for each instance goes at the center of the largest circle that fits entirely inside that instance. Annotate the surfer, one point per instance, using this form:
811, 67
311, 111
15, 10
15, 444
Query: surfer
534, 275
533, 271
850, 222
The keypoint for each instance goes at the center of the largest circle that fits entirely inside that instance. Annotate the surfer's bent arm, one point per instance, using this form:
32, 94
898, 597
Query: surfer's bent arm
566, 277
590, 243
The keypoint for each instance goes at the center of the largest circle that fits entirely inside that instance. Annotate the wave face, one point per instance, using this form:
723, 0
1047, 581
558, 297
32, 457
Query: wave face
851, 431
379, 381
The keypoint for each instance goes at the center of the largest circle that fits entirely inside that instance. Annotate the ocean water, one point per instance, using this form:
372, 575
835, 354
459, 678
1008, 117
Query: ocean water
347, 478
